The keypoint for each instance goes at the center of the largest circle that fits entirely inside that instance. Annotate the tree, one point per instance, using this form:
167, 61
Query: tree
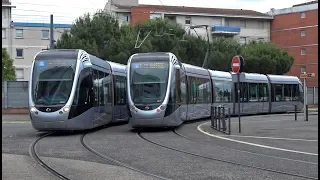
8, 70
101, 36
222, 52
266, 58
91, 34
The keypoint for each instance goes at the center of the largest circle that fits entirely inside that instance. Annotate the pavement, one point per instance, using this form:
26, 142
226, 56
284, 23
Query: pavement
280, 131
15, 117
216, 158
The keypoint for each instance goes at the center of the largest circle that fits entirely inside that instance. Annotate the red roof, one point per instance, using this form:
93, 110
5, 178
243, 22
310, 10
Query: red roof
171, 9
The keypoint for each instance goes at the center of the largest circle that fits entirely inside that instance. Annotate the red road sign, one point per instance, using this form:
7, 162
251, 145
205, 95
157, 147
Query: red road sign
235, 64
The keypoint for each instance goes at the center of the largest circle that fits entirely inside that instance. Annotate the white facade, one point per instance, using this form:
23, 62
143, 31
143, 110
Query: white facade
27, 39
294, 9
252, 27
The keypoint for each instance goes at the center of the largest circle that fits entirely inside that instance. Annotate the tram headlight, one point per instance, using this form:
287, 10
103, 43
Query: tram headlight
33, 109
66, 109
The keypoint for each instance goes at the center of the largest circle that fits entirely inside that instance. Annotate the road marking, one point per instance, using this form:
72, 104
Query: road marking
253, 144
263, 137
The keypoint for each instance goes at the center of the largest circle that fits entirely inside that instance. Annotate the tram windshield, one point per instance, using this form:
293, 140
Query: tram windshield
52, 81
149, 81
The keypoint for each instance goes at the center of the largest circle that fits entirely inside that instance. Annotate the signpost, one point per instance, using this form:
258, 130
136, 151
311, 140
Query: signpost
237, 64
304, 76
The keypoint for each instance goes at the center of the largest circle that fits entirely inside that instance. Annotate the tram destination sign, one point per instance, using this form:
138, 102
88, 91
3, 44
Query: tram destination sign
151, 65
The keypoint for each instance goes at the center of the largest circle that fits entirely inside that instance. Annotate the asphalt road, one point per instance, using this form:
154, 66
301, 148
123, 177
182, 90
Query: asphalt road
184, 154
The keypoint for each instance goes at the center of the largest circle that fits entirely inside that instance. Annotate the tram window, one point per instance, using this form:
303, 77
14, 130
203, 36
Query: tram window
193, 90
200, 92
205, 90
227, 91
177, 90
95, 87
295, 92
107, 88
244, 92
84, 90
263, 92
278, 89
120, 90
124, 91
101, 94
218, 91
117, 89
253, 92
287, 92
209, 86
183, 87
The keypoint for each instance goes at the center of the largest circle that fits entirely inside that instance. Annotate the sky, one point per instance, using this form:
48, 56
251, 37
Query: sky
66, 11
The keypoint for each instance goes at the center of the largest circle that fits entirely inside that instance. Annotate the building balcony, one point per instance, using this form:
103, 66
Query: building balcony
225, 30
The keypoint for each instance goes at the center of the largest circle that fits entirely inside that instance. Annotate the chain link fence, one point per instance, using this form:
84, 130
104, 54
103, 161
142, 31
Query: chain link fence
15, 94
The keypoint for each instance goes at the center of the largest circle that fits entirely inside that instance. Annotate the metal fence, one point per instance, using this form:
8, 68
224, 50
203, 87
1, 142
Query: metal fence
15, 94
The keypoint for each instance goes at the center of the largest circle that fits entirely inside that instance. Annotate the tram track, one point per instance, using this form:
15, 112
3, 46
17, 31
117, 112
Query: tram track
116, 162
33, 153
219, 159
243, 151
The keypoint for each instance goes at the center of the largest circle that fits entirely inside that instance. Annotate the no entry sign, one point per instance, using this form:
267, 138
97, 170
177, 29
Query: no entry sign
236, 64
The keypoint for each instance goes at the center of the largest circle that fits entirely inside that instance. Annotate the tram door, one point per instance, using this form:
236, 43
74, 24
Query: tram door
192, 89
120, 98
183, 94
96, 106
107, 97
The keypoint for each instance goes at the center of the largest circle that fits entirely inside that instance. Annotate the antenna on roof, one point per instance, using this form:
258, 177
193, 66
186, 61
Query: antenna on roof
137, 47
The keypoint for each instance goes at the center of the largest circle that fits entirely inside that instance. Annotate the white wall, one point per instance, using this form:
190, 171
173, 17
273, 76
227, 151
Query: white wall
251, 29
31, 43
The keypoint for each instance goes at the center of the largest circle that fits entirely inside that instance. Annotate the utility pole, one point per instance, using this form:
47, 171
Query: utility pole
51, 32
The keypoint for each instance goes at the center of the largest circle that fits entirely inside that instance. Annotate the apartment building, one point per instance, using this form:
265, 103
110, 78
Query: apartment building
243, 25
26, 41
296, 30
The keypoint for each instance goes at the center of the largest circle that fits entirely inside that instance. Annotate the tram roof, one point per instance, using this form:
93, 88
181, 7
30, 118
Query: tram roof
117, 67
220, 74
284, 79
58, 53
195, 69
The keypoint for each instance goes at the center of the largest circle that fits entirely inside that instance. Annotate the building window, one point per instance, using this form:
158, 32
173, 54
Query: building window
260, 39
19, 33
243, 24
217, 21
4, 13
4, 35
19, 53
303, 68
303, 33
261, 25
226, 22
303, 51
243, 40
155, 15
45, 34
188, 20
19, 74
303, 15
